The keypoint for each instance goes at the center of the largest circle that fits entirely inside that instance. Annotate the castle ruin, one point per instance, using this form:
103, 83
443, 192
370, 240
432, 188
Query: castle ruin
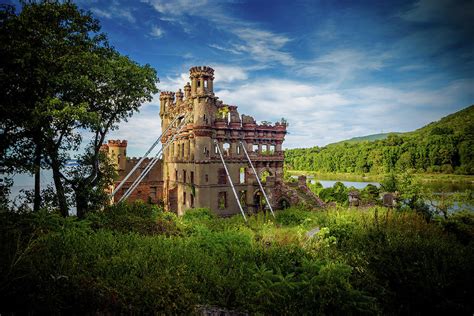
191, 173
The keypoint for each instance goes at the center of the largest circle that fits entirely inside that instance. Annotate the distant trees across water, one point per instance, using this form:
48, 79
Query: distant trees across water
446, 146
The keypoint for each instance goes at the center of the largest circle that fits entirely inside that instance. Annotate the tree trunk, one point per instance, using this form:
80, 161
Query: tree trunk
81, 200
61, 196
37, 168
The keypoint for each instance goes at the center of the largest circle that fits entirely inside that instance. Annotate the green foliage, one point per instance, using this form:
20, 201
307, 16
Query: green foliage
369, 261
136, 217
445, 146
61, 78
337, 193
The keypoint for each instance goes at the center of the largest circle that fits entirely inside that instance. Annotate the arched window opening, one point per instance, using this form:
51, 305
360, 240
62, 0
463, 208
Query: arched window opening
222, 200
243, 198
226, 148
242, 175
259, 201
255, 148
283, 204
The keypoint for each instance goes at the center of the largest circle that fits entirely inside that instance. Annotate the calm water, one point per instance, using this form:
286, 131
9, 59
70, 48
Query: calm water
356, 184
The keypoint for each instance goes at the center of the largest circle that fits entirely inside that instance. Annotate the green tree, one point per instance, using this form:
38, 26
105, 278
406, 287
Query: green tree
64, 80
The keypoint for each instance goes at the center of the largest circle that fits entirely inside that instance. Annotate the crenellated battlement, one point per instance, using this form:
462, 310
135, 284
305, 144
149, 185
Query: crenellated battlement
116, 143
167, 95
201, 71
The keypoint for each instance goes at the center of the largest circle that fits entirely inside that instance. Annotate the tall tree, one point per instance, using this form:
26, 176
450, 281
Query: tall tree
63, 80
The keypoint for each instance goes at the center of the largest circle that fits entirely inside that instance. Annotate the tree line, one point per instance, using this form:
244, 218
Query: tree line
62, 80
446, 147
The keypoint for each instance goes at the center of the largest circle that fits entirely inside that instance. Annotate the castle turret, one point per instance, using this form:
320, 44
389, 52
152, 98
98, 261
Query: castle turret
118, 153
179, 97
166, 103
202, 80
187, 90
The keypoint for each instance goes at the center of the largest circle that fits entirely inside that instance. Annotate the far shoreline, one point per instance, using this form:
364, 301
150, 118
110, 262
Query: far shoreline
423, 177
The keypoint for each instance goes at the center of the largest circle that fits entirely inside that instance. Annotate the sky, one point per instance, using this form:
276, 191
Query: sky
333, 69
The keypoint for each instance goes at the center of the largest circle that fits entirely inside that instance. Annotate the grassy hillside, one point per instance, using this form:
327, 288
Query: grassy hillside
445, 146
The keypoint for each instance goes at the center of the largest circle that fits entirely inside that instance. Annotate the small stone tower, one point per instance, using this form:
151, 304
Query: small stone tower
166, 106
117, 152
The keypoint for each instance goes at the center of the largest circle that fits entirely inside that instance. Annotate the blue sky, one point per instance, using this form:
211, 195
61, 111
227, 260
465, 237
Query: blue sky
333, 69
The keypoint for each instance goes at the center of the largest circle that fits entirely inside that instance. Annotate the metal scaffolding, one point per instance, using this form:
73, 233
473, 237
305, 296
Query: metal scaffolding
230, 180
154, 159
144, 156
258, 179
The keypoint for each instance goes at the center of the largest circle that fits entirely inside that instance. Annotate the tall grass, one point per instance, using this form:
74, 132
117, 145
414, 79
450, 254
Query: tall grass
136, 259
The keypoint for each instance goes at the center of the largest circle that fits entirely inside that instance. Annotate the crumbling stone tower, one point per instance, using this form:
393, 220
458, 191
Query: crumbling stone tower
193, 173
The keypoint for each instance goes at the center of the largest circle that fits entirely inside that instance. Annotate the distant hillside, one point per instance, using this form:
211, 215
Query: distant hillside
445, 146
460, 122
365, 138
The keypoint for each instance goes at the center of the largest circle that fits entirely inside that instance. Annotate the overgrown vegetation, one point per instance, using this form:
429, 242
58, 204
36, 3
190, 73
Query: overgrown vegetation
138, 259
446, 146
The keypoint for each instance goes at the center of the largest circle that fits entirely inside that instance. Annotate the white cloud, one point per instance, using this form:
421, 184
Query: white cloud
115, 10
156, 31
322, 115
339, 66
229, 50
225, 73
317, 115
141, 130
255, 43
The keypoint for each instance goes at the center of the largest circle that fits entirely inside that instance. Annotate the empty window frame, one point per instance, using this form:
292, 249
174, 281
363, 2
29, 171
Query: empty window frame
221, 176
222, 200
242, 175
226, 148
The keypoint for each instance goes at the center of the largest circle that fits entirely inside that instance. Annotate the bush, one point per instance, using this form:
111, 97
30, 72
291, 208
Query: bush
372, 261
135, 217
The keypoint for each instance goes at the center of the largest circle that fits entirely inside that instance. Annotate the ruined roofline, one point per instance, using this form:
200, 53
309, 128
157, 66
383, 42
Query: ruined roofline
167, 95
198, 71
117, 143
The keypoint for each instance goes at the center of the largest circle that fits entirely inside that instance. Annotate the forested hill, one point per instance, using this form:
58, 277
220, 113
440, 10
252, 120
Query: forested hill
445, 146
366, 138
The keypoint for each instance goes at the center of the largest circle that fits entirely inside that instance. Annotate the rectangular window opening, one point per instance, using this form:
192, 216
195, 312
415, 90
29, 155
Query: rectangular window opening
222, 200
242, 175
221, 176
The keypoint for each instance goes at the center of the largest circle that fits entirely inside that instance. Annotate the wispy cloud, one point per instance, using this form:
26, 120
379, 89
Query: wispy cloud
115, 11
338, 66
457, 12
257, 44
225, 49
156, 31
